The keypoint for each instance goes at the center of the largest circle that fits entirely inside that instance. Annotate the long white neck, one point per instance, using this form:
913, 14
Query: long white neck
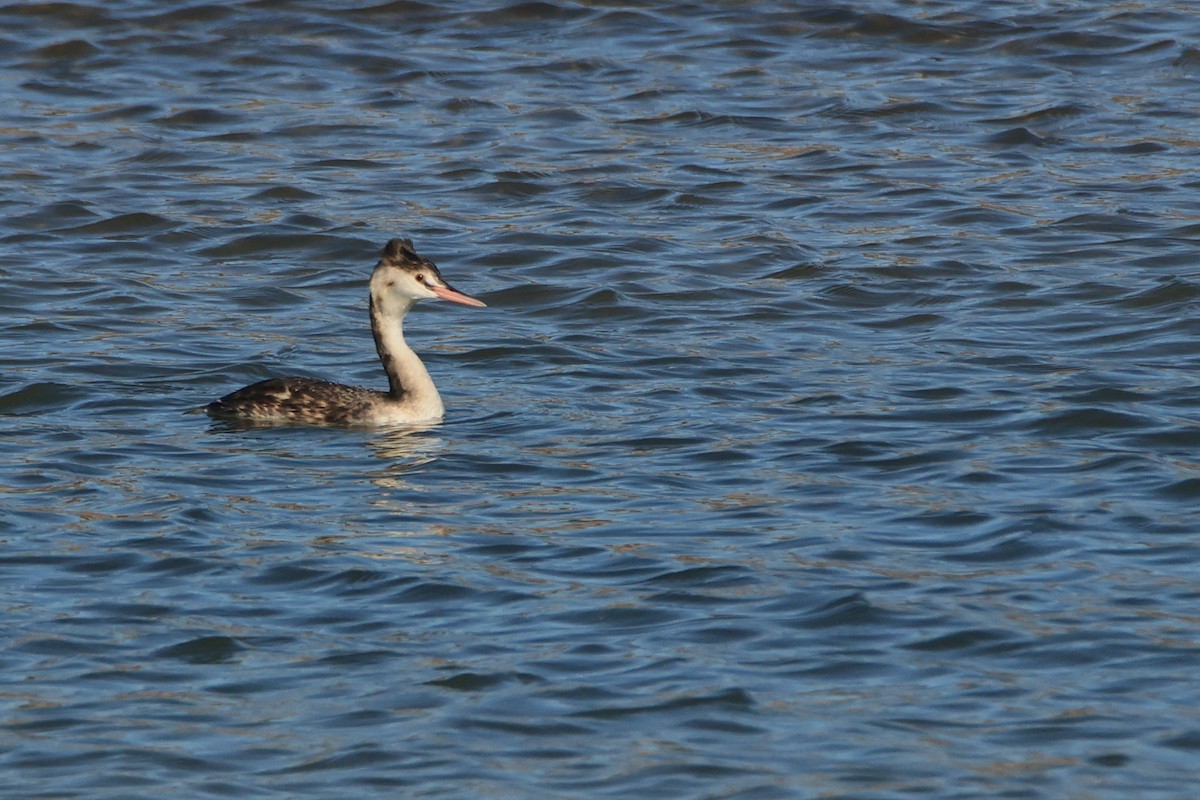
408, 380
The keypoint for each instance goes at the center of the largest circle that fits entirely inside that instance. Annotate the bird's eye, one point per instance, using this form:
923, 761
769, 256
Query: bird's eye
420, 277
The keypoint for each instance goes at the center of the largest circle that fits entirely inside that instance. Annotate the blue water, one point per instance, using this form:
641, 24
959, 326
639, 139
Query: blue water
831, 430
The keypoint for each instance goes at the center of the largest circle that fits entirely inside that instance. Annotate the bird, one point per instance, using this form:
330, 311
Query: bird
399, 280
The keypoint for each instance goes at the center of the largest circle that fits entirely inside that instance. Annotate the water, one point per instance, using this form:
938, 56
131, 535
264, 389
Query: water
831, 431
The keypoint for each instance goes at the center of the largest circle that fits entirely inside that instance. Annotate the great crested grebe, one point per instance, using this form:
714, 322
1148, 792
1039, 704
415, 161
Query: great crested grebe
400, 279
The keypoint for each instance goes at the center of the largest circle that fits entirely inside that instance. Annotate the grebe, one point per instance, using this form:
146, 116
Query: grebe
400, 279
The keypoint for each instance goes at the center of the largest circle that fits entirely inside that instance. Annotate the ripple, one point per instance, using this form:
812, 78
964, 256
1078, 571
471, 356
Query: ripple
39, 398
137, 223
204, 650
198, 118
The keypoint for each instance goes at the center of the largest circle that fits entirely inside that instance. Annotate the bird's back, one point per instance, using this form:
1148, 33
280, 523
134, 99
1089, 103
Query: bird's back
298, 400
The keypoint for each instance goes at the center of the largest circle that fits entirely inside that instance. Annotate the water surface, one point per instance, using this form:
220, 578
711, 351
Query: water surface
831, 431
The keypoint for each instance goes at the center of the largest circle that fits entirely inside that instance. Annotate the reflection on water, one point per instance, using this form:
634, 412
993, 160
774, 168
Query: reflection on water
407, 447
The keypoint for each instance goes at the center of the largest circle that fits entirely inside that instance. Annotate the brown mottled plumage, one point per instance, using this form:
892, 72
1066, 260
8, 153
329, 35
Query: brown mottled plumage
302, 400
400, 279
